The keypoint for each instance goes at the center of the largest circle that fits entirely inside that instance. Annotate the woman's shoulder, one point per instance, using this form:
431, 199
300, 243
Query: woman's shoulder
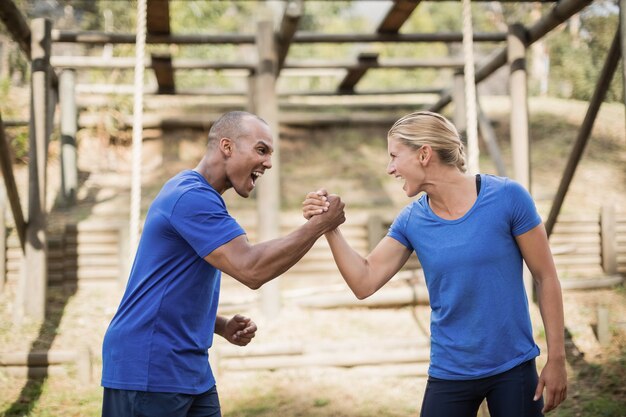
498, 183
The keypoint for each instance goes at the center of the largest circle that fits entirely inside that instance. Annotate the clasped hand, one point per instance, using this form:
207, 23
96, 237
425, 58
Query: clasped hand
316, 202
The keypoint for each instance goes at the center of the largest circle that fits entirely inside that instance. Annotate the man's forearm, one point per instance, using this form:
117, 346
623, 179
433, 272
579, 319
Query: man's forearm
220, 325
272, 258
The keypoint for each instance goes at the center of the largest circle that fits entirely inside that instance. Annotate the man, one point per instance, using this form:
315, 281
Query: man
155, 360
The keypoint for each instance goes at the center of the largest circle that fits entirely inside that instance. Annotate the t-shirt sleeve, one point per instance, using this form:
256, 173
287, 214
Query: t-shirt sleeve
524, 215
201, 218
397, 230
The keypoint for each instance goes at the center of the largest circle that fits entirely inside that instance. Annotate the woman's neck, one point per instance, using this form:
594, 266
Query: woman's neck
451, 194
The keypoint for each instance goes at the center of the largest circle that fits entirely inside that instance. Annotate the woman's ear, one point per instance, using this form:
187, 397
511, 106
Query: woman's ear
425, 152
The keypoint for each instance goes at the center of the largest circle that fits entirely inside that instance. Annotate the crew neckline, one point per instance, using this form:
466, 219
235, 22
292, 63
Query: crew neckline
468, 213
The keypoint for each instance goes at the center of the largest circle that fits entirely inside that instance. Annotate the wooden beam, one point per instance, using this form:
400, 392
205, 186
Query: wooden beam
6, 164
425, 90
158, 23
192, 64
127, 63
158, 17
353, 76
288, 26
16, 25
101, 38
164, 72
399, 12
602, 86
622, 26
561, 11
204, 121
122, 89
16, 123
504, 1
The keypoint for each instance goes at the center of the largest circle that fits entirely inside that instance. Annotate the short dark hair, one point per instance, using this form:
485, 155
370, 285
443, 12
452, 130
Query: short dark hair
229, 125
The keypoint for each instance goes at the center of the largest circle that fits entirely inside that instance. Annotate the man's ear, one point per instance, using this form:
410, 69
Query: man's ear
226, 146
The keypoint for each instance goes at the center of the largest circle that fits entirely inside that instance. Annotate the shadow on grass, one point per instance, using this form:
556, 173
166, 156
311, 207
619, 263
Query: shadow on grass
32, 390
597, 390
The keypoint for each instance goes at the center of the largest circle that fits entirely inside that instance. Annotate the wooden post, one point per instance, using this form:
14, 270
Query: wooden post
252, 94
83, 365
268, 187
375, 230
69, 171
36, 268
603, 328
3, 239
489, 138
459, 116
520, 141
6, 166
602, 86
562, 11
608, 239
124, 255
622, 13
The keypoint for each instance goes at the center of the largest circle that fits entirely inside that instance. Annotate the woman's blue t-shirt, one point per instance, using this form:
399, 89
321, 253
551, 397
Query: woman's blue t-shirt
480, 322
159, 338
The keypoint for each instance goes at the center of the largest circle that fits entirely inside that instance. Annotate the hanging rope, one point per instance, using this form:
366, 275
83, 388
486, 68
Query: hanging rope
135, 190
470, 90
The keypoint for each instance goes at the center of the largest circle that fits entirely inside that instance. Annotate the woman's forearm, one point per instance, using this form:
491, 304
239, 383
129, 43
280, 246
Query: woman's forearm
352, 266
551, 307
366, 275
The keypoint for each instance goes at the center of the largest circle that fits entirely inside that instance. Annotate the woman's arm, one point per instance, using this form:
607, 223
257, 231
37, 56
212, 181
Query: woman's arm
367, 275
536, 252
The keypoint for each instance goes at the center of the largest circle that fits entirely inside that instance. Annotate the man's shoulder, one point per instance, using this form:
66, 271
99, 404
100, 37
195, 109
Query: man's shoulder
189, 187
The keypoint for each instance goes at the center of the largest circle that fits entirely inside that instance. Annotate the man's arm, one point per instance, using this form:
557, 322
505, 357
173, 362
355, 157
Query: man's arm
254, 265
536, 252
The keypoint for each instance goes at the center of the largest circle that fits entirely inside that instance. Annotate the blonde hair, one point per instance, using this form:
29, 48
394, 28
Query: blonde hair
427, 128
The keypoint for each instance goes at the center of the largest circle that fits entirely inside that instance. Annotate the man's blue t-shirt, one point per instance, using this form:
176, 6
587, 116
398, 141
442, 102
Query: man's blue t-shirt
480, 322
159, 338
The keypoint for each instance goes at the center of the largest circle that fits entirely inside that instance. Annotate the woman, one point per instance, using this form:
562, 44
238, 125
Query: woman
471, 234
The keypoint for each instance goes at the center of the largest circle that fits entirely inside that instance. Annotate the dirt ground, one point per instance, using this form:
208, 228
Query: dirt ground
77, 319
80, 318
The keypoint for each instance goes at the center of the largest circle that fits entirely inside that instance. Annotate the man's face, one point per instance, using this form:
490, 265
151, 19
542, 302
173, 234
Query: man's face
251, 156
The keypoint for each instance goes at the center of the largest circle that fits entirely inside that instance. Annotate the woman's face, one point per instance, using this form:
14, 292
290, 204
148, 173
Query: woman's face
404, 164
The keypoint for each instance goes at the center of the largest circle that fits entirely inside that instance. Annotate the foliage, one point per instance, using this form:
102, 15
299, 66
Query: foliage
577, 58
591, 39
